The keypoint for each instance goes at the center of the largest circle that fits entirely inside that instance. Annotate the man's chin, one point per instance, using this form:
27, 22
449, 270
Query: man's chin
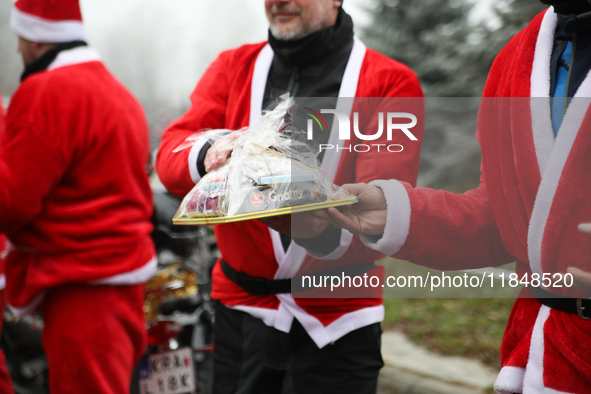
287, 32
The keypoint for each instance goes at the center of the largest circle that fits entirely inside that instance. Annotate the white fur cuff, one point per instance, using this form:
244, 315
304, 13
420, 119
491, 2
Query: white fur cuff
397, 219
510, 380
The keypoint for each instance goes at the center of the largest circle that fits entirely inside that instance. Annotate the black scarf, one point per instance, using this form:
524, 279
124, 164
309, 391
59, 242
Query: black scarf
48, 57
314, 46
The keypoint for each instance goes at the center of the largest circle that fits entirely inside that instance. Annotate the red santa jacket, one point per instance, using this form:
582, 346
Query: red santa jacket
2, 237
230, 96
75, 200
534, 192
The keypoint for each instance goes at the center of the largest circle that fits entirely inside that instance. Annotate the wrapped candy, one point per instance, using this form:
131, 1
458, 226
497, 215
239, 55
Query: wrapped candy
273, 170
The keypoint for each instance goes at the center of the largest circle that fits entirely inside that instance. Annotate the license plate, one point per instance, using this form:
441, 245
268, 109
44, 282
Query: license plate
167, 373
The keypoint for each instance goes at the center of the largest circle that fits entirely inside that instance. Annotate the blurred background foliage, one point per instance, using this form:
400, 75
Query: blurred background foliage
458, 325
451, 53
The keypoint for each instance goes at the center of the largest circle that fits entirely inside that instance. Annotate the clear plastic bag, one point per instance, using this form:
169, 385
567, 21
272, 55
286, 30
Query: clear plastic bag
273, 170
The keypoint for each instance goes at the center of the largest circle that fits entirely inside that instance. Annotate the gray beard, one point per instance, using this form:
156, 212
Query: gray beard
289, 35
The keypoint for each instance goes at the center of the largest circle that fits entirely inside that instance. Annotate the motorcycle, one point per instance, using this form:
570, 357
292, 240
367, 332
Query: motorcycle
178, 309
25, 359
179, 315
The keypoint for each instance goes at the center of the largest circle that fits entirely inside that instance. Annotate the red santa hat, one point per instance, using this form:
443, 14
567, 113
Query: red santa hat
47, 20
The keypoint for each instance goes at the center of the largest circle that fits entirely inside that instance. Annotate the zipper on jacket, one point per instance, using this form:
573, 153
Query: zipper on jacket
294, 81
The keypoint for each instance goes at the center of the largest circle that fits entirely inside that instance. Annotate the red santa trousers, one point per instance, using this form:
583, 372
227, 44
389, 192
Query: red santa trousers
93, 336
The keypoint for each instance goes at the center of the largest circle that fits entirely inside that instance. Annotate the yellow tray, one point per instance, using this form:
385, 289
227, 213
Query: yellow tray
205, 220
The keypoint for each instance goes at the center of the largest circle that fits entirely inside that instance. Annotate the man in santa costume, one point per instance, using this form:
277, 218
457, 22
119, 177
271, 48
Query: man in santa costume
533, 196
267, 341
75, 203
5, 381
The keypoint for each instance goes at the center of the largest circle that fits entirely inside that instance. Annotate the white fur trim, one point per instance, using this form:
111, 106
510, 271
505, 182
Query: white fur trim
541, 114
323, 336
510, 380
571, 126
259, 81
280, 318
74, 56
355, 320
291, 262
345, 242
397, 219
533, 381
260, 74
540, 75
291, 259
30, 307
353, 69
348, 90
134, 277
284, 319
2, 282
38, 29
193, 155
137, 276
